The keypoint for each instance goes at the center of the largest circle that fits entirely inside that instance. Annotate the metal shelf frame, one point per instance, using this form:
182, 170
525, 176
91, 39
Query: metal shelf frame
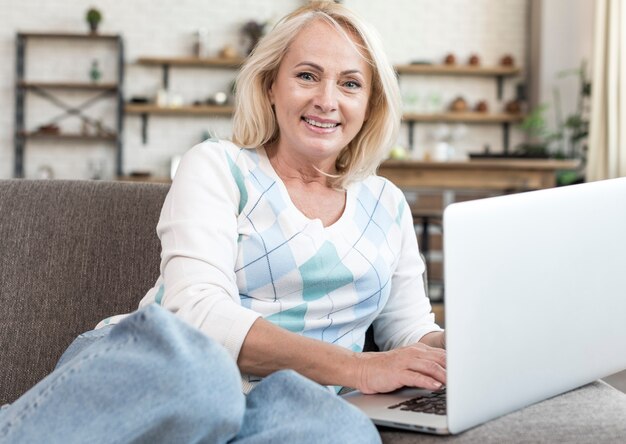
45, 90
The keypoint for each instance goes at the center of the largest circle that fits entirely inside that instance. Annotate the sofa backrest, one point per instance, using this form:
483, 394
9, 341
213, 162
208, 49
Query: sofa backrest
71, 254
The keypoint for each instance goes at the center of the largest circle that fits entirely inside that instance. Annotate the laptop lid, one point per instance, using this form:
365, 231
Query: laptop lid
535, 296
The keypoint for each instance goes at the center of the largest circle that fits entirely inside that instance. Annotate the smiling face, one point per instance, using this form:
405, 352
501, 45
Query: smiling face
320, 95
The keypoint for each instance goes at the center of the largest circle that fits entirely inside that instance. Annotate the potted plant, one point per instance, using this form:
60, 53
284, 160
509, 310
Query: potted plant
93, 17
537, 137
574, 129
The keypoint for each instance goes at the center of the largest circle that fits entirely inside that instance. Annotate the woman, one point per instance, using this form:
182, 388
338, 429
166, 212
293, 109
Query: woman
279, 250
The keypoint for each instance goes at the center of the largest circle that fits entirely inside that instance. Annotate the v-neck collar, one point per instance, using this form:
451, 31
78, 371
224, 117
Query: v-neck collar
267, 166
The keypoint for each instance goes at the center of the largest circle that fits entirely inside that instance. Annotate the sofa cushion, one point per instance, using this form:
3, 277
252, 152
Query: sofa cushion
73, 253
591, 414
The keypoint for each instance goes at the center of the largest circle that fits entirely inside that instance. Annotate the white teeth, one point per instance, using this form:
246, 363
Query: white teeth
319, 124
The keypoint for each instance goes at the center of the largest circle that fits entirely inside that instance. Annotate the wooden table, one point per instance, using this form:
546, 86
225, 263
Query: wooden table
506, 175
491, 175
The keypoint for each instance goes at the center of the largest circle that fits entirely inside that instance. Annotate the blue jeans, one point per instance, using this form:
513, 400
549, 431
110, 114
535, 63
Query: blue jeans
152, 378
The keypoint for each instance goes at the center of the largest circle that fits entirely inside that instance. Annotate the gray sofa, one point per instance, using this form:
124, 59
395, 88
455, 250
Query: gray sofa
74, 252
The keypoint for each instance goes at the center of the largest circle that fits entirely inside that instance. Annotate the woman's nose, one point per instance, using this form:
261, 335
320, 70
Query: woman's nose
326, 97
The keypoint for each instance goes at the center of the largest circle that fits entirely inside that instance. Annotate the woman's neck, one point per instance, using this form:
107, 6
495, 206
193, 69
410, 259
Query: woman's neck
290, 167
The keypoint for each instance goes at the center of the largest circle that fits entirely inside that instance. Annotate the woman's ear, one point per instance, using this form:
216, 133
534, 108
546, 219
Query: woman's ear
270, 93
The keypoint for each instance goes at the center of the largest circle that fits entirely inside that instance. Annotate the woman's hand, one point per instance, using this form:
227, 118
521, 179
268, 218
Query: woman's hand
417, 365
268, 348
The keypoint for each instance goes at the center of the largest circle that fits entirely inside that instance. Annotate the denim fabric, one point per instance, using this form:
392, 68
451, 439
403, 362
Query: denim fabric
82, 342
152, 378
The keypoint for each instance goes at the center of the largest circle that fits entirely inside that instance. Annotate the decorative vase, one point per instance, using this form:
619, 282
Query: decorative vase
95, 73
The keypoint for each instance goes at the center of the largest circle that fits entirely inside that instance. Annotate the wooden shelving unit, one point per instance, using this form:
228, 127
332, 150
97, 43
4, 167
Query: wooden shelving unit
497, 72
72, 86
69, 36
144, 110
199, 110
464, 117
54, 93
212, 62
68, 136
166, 63
458, 70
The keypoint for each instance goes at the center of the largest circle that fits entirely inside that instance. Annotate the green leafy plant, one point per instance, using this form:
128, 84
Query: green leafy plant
538, 136
534, 124
93, 17
574, 129
568, 139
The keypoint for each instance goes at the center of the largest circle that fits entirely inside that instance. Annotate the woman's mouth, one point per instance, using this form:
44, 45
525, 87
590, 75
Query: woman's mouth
318, 124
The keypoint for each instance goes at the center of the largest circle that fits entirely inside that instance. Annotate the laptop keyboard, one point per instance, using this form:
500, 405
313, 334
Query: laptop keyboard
434, 402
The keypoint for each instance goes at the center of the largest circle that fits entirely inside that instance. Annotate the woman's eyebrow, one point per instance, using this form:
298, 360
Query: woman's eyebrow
311, 64
321, 69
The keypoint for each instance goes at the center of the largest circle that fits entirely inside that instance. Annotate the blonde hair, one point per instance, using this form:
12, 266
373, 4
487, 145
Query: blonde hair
254, 119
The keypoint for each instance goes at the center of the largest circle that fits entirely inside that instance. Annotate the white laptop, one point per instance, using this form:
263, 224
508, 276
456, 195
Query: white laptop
535, 303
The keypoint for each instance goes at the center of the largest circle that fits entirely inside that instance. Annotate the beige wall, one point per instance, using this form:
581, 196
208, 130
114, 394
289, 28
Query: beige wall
564, 37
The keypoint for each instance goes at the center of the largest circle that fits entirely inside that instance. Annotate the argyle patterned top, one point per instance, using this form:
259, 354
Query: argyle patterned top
235, 247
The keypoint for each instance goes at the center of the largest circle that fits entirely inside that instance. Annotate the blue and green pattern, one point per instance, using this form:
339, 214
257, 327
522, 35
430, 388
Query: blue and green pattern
327, 284
323, 273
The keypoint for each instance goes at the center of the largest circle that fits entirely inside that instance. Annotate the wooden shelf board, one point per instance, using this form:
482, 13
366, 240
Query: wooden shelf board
464, 117
67, 136
69, 35
218, 62
202, 110
458, 70
485, 164
70, 85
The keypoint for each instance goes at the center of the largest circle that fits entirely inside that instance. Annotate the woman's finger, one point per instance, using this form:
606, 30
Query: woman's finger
414, 379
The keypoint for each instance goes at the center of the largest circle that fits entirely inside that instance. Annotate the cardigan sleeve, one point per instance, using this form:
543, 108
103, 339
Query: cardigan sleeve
407, 316
198, 233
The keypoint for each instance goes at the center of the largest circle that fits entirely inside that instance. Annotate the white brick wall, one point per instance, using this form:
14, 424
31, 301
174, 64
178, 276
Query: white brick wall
411, 30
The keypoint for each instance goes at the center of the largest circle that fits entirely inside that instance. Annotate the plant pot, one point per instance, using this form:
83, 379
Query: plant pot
93, 27
532, 151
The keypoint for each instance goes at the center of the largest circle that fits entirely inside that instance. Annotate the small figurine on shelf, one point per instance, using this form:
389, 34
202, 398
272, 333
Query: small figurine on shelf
93, 17
481, 107
51, 128
162, 98
95, 73
450, 59
513, 107
474, 60
458, 105
228, 52
201, 43
253, 31
219, 98
96, 168
99, 128
398, 152
85, 130
45, 172
507, 60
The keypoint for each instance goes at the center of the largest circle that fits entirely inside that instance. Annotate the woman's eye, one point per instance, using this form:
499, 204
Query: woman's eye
351, 84
306, 76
